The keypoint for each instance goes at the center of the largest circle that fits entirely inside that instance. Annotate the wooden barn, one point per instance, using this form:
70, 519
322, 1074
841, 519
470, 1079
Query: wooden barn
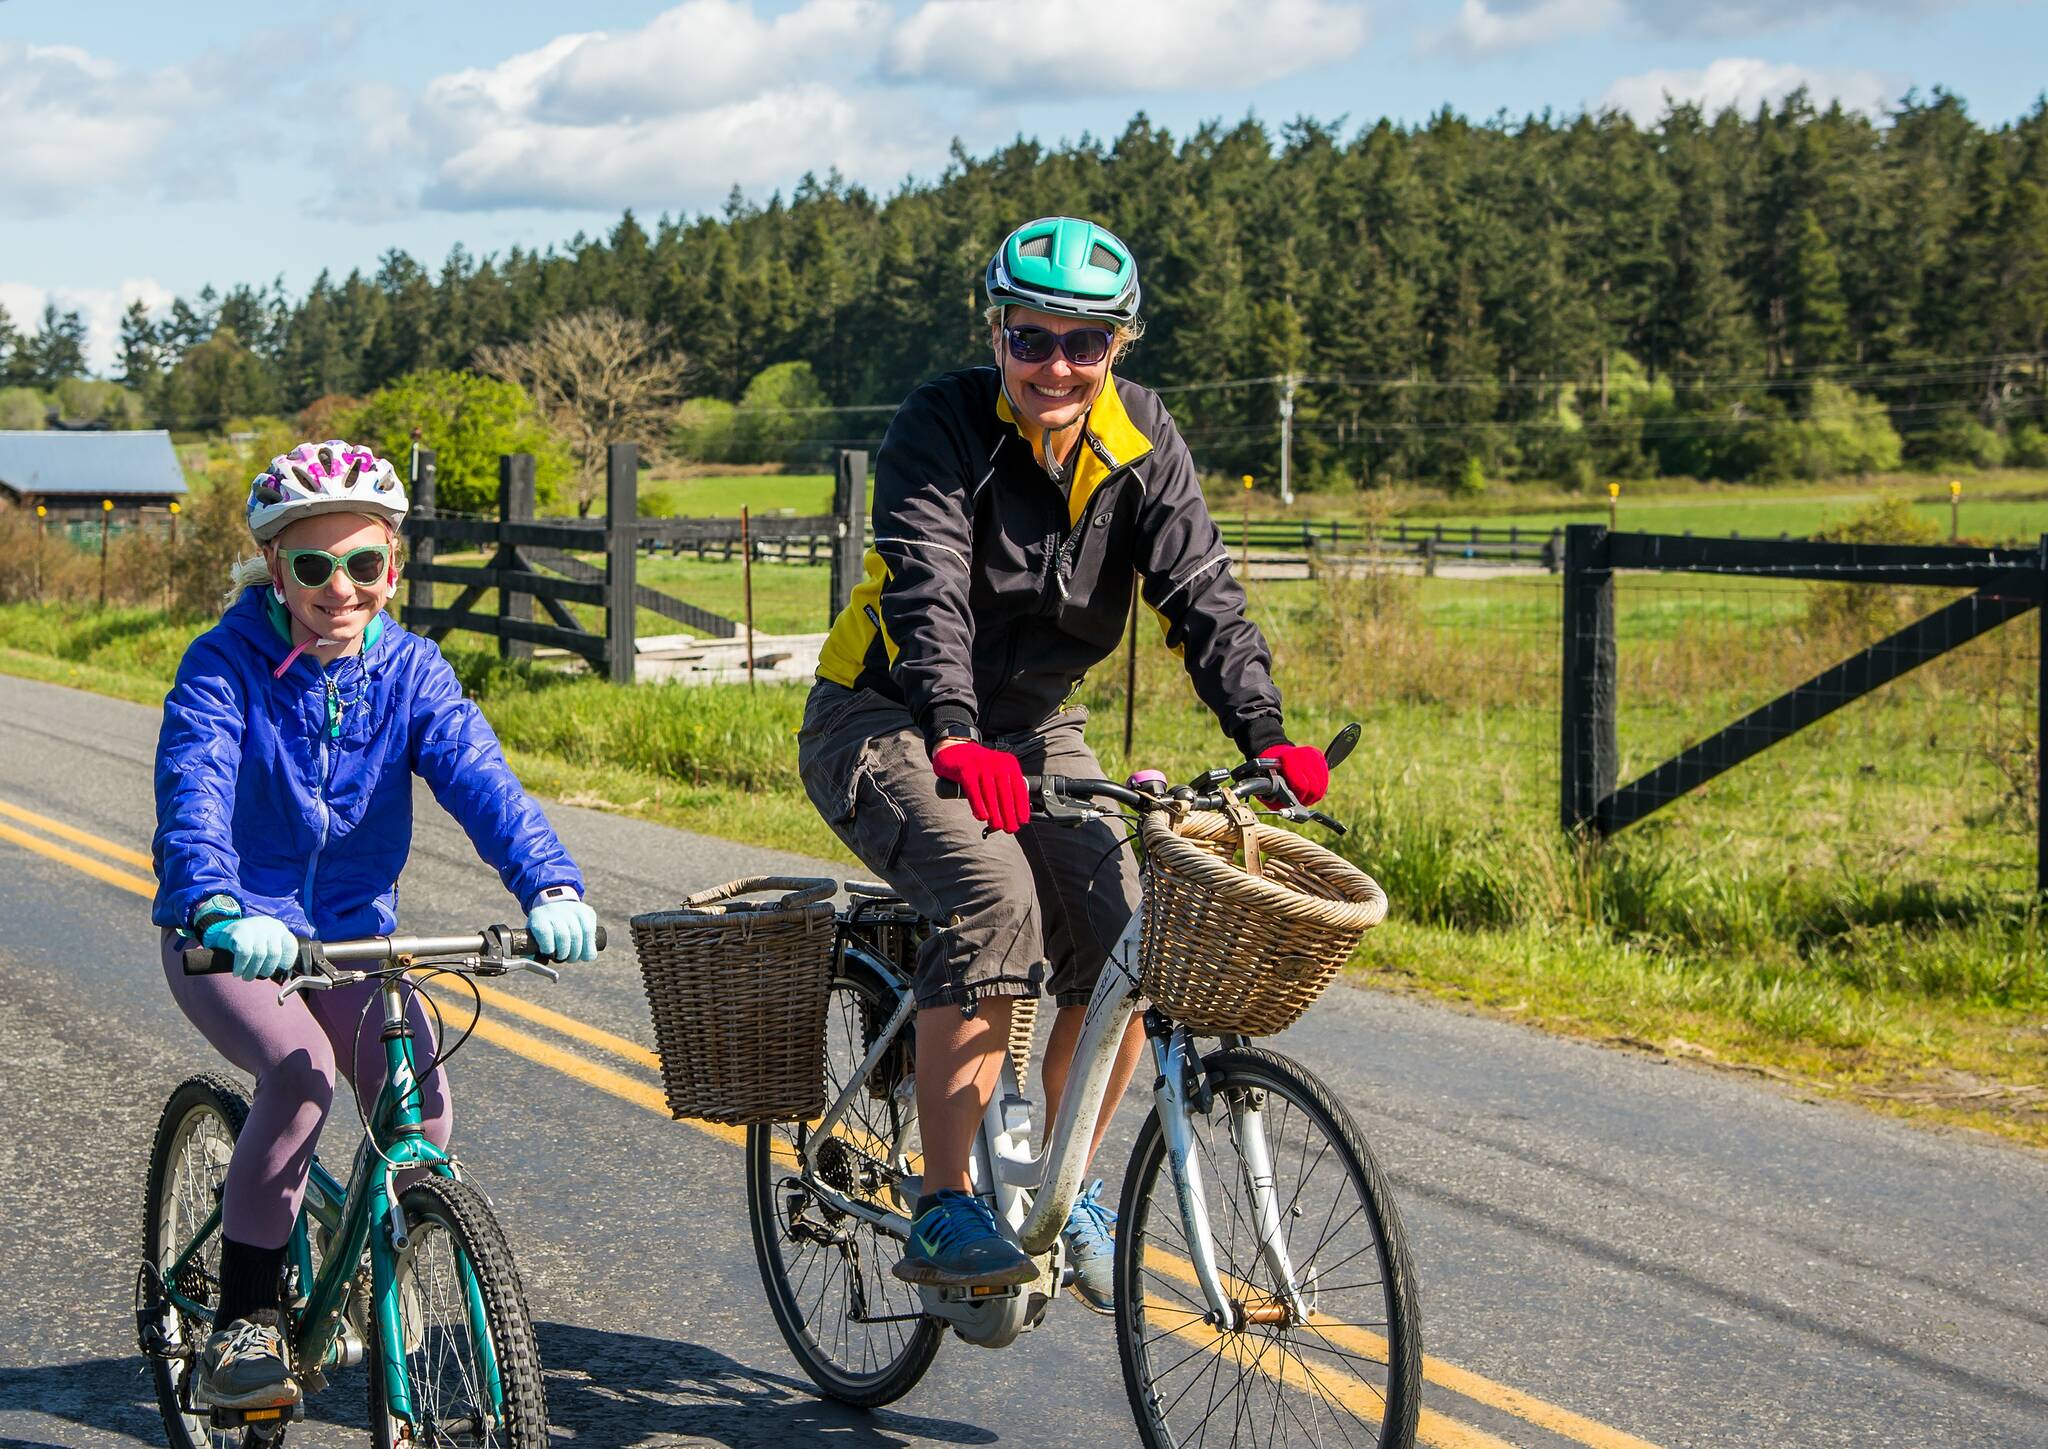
74, 472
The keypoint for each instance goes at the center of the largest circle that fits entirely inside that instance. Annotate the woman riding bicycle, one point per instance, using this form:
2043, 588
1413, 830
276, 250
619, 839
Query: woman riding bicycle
1015, 507
284, 810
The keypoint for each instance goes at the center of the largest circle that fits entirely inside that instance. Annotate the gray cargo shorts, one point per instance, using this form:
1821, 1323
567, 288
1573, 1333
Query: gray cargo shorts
1015, 913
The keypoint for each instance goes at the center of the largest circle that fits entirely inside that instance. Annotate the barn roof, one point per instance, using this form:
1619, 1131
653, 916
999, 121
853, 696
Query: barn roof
60, 464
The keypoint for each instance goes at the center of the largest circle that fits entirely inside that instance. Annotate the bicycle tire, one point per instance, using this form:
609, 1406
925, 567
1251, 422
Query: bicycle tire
188, 1160
446, 1219
857, 1003
1334, 1374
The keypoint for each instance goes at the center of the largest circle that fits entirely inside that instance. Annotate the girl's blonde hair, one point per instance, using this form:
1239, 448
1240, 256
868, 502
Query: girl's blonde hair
254, 572
1126, 332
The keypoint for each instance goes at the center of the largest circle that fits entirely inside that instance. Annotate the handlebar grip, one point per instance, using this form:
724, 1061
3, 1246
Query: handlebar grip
205, 961
519, 941
950, 791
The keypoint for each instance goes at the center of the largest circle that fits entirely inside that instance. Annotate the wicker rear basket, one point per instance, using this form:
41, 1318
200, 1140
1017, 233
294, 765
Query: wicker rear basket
738, 991
1248, 949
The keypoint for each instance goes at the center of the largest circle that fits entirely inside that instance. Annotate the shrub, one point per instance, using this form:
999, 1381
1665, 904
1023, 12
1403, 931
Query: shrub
1471, 479
2029, 447
22, 409
1860, 611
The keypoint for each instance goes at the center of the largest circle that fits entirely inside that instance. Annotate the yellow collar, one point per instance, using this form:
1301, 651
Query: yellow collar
1109, 440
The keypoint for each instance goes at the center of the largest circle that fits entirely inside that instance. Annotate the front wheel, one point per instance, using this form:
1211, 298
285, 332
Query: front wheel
857, 1331
471, 1363
188, 1169
1337, 1362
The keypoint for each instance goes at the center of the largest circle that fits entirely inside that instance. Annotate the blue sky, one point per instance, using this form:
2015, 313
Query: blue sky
148, 149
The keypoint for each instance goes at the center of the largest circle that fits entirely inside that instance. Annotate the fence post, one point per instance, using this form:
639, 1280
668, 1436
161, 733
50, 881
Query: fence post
621, 512
515, 505
1590, 752
2041, 722
419, 592
850, 509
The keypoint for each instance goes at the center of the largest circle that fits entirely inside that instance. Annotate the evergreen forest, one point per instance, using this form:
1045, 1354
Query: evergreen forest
1788, 293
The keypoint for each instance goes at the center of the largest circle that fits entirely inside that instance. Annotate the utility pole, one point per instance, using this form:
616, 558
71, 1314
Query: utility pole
1287, 439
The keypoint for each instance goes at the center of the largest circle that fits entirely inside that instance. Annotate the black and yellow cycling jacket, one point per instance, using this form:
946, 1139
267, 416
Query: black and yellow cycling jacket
990, 591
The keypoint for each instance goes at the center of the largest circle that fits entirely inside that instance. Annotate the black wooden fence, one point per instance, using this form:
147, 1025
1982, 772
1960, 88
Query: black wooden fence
2005, 584
534, 560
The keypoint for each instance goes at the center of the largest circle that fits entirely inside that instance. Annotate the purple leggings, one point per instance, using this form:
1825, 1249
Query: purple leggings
291, 1050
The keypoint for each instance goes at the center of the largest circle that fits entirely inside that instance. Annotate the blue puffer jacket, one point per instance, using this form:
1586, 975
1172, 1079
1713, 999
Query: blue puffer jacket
294, 795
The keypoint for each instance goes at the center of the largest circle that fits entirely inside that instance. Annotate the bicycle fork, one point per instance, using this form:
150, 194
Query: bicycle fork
1181, 1083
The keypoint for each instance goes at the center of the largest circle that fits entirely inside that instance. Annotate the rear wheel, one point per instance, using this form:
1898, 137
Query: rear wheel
1344, 1372
859, 1332
188, 1169
456, 1283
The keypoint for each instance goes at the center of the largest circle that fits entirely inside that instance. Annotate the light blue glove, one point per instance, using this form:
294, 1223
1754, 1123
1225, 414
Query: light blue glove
263, 945
563, 931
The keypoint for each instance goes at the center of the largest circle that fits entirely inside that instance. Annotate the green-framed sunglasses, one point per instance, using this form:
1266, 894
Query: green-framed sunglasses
312, 567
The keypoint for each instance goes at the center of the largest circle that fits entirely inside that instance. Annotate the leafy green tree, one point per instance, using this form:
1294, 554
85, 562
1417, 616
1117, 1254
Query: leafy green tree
469, 421
214, 381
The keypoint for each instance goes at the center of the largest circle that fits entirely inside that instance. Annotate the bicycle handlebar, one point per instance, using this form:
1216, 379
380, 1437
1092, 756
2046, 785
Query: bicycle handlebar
506, 941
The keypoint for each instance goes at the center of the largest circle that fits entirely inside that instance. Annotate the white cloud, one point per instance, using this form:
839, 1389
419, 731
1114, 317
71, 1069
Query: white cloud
73, 123
707, 53
1482, 30
100, 307
706, 96
1747, 83
1487, 28
1152, 45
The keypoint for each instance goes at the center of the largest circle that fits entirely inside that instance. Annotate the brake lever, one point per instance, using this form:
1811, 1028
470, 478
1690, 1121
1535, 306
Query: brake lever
317, 981
539, 969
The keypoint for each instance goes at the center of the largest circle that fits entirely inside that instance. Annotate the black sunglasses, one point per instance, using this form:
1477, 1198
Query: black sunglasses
313, 567
1084, 346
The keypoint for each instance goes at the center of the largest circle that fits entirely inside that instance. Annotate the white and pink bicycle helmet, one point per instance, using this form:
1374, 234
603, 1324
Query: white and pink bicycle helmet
329, 477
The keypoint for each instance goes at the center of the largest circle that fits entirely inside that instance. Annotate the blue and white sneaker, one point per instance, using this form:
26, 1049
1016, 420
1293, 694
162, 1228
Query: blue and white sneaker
956, 1244
1090, 1236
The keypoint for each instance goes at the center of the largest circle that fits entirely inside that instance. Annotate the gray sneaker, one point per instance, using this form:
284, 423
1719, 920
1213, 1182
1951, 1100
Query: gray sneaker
244, 1366
956, 1244
1090, 1236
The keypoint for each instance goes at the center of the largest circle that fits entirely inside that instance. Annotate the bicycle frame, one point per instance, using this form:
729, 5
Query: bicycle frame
363, 1214
1034, 1193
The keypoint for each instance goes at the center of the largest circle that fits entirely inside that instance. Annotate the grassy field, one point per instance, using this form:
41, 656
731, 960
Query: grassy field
2007, 505
1851, 912
722, 497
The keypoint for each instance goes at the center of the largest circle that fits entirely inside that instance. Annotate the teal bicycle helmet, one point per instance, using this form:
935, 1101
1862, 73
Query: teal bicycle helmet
1065, 266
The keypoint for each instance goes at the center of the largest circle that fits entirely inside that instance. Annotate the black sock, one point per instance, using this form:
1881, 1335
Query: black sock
249, 1280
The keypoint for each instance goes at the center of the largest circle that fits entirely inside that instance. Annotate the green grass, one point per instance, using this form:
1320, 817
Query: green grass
723, 497
2006, 505
1851, 909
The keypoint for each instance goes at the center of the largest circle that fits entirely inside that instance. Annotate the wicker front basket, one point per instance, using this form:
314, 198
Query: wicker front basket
1245, 948
738, 990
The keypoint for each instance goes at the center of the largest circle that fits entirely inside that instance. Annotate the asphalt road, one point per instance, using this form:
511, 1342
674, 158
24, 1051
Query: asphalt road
1608, 1246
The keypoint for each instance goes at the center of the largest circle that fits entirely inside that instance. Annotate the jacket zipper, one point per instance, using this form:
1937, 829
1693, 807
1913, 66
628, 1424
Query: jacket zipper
333, 731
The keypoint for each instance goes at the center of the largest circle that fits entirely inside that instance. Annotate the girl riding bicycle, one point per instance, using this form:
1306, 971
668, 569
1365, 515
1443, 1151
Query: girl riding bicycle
284, 810
1016, 507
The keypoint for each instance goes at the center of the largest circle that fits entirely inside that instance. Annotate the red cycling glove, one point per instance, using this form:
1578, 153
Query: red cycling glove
993, 780
1304, 768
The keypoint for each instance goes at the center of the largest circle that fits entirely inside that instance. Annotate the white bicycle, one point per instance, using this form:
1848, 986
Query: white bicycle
1263, 1289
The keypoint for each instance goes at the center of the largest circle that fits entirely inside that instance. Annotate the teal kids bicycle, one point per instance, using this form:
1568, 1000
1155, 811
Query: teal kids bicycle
437, 1311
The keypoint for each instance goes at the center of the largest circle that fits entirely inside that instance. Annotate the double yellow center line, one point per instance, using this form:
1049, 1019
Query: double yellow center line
54, 840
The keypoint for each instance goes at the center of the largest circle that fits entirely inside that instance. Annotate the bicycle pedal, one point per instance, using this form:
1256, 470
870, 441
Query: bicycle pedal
278, 1415
979, 1293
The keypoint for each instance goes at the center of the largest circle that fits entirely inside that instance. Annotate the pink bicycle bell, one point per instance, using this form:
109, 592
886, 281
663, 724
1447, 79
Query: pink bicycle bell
1146, 777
